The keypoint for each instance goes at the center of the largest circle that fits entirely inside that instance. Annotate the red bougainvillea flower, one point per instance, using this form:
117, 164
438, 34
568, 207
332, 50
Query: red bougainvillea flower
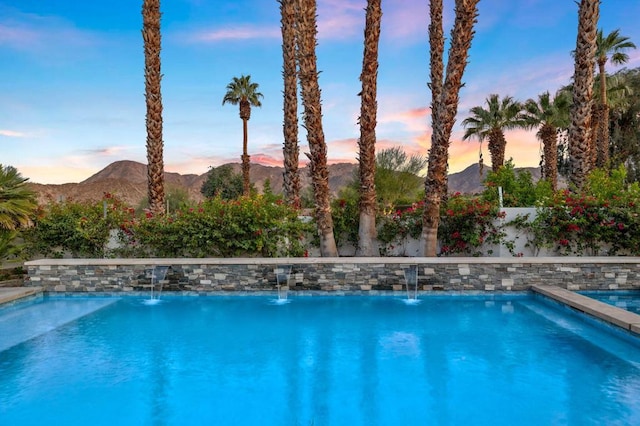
572, 227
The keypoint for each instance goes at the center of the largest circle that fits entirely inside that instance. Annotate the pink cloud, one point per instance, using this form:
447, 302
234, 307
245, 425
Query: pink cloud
340, 19
12, 134
414, 120
12, 36
406, 19
415, 113
239, 32
42, 34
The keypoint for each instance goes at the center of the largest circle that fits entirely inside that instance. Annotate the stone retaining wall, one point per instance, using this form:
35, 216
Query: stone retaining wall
361, 275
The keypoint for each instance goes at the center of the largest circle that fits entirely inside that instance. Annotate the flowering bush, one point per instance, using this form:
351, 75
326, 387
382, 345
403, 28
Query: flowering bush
78, 229
604, 218
468, 223
346, 218
249, 227
402, 224
218, 228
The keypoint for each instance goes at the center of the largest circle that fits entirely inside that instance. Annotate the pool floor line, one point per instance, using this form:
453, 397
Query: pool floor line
603, 311
9, 294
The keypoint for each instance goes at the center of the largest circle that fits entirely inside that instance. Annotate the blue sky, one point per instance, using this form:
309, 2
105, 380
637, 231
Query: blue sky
72, 82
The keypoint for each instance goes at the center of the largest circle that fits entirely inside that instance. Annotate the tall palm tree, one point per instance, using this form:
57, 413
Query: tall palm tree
491, 123
368, 119
17, 202
444, 106
244, 92
549, 115
306, 30
611, 47
580, 128
291, 150
153, 95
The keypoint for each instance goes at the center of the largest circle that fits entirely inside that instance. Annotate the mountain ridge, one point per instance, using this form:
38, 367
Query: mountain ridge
128, 181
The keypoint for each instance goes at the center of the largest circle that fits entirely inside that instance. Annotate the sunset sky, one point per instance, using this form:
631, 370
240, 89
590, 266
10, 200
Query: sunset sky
72, 78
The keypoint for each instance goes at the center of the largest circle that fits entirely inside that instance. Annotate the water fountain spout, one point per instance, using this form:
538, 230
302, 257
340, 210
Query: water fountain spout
283, 273
158, 275
411, 283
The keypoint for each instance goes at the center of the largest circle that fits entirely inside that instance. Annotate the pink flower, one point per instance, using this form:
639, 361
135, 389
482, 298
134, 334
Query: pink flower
621, 226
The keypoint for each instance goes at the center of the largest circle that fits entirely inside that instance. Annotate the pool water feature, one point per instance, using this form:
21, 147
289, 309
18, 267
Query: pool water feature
411, 283
157, 275
283, 274
481, 360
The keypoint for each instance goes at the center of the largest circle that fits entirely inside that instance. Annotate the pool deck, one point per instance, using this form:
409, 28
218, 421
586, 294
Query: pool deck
603, 311
9, 294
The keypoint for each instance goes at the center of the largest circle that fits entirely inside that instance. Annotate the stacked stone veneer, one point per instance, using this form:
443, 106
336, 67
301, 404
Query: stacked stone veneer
337, 275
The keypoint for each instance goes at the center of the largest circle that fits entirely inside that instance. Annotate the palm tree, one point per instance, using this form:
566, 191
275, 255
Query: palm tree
244, 92
580, 128
549, 115
610, 47
306, 30
290, 149
153, 76
491, 123
17, 202
368, 119
444, 106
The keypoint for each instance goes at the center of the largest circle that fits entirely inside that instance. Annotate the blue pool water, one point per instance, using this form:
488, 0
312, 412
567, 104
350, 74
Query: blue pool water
628, 300
459, 360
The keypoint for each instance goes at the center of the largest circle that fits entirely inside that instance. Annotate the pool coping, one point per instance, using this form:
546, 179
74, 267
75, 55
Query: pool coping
580, 260
611, 314
9, 294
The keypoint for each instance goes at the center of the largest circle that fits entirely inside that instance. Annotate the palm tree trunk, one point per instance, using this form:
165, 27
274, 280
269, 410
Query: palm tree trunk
310, 92
580, 128
291, 150
594, 146
246, 167
549, 136
603, 137
367, 143
497, 146
153, 96
601, 126
444, 106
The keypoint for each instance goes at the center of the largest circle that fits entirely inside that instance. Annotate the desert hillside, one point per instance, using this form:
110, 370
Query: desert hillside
128, 180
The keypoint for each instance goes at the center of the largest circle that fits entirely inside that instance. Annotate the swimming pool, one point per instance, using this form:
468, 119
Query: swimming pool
628, 300
481, 360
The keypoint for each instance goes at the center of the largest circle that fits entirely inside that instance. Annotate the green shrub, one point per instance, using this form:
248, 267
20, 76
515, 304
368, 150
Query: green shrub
77, 229
218, 228
518, 189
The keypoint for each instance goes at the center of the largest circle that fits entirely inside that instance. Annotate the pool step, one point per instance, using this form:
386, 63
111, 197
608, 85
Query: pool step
611, 314
24, 321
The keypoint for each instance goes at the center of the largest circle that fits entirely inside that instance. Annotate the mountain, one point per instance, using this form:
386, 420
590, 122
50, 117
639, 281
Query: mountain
128, 181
